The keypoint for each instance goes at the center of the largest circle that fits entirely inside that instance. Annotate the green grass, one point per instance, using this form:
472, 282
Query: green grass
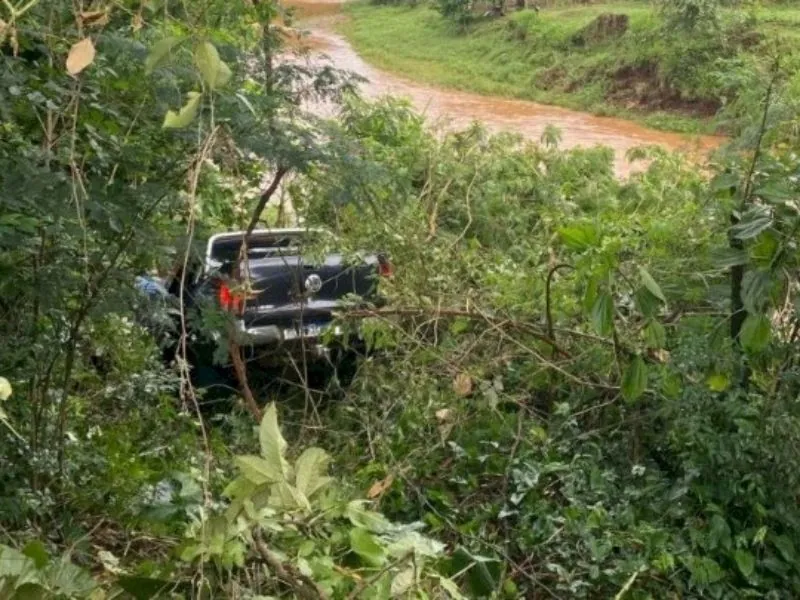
531, 56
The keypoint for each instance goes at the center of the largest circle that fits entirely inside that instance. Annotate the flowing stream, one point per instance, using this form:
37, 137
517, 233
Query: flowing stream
459, 109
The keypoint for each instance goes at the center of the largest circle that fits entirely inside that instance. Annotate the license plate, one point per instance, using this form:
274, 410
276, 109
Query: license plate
308, 330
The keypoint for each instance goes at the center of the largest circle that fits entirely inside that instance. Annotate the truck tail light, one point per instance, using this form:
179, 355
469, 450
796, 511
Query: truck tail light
229, 301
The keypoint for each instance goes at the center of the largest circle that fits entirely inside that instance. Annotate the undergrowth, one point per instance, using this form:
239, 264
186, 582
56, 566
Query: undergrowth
579, 387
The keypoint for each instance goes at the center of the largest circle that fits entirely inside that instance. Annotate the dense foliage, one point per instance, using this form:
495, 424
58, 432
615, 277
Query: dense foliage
582, 387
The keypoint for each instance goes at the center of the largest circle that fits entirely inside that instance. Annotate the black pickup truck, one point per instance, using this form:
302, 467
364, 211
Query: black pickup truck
279, 301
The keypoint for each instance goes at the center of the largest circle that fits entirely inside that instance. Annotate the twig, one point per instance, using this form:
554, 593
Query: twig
364, 584
628, 584
239, 367
303, 586
548, 308
452, 312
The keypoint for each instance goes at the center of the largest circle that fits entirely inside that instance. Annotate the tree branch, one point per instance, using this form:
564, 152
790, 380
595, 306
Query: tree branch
265, 197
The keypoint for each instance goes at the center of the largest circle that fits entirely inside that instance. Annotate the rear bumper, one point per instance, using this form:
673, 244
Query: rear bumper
264, 336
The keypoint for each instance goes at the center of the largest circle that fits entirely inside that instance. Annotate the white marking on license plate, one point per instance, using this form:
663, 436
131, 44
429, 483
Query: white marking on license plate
304, 331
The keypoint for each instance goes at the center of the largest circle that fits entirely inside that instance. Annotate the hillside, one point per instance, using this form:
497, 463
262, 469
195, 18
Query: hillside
559, 55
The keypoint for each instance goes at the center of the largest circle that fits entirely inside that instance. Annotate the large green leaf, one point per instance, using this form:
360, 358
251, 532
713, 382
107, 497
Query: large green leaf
704, 571
776, 192
648, 304
158, 53
785, 546
284, 496
753, 222
755, 290
36, 551
634, 380
414, 541
363, 543
69, 580
483, 574
755, 333
581, 236
273, 446
719, 533
257, 470
16, 567
725, 181
603, 314
310, 470
185, 116
726, 257
745, 561
215, 72
651, 284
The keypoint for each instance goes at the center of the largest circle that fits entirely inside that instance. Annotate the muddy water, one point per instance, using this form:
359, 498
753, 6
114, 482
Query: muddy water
459, 109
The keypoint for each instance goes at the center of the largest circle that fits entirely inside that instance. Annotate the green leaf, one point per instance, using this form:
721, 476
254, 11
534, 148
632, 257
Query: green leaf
483, 575
718, 382
159, 52
647, 304
755, 290
16, 566
719, 533
655, 335
745, 561
603, 314
360, 516
287, 497
5, 389
590, 295
310, 470
651, 284
775, 192
214, 71
185, 116
725, 258
273, 446
413, 541
755, 333
753, 222
634, 380
704, 571
763, 249
785, 547
257, 470
36, 551
581, 236
69, 580
452, 589
224, 75
671, 384
728, 182
363, 543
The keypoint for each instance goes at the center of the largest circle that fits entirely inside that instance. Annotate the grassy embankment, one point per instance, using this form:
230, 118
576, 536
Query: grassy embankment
666, 83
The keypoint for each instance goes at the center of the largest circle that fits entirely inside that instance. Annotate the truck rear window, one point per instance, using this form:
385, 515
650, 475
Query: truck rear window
225, 250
